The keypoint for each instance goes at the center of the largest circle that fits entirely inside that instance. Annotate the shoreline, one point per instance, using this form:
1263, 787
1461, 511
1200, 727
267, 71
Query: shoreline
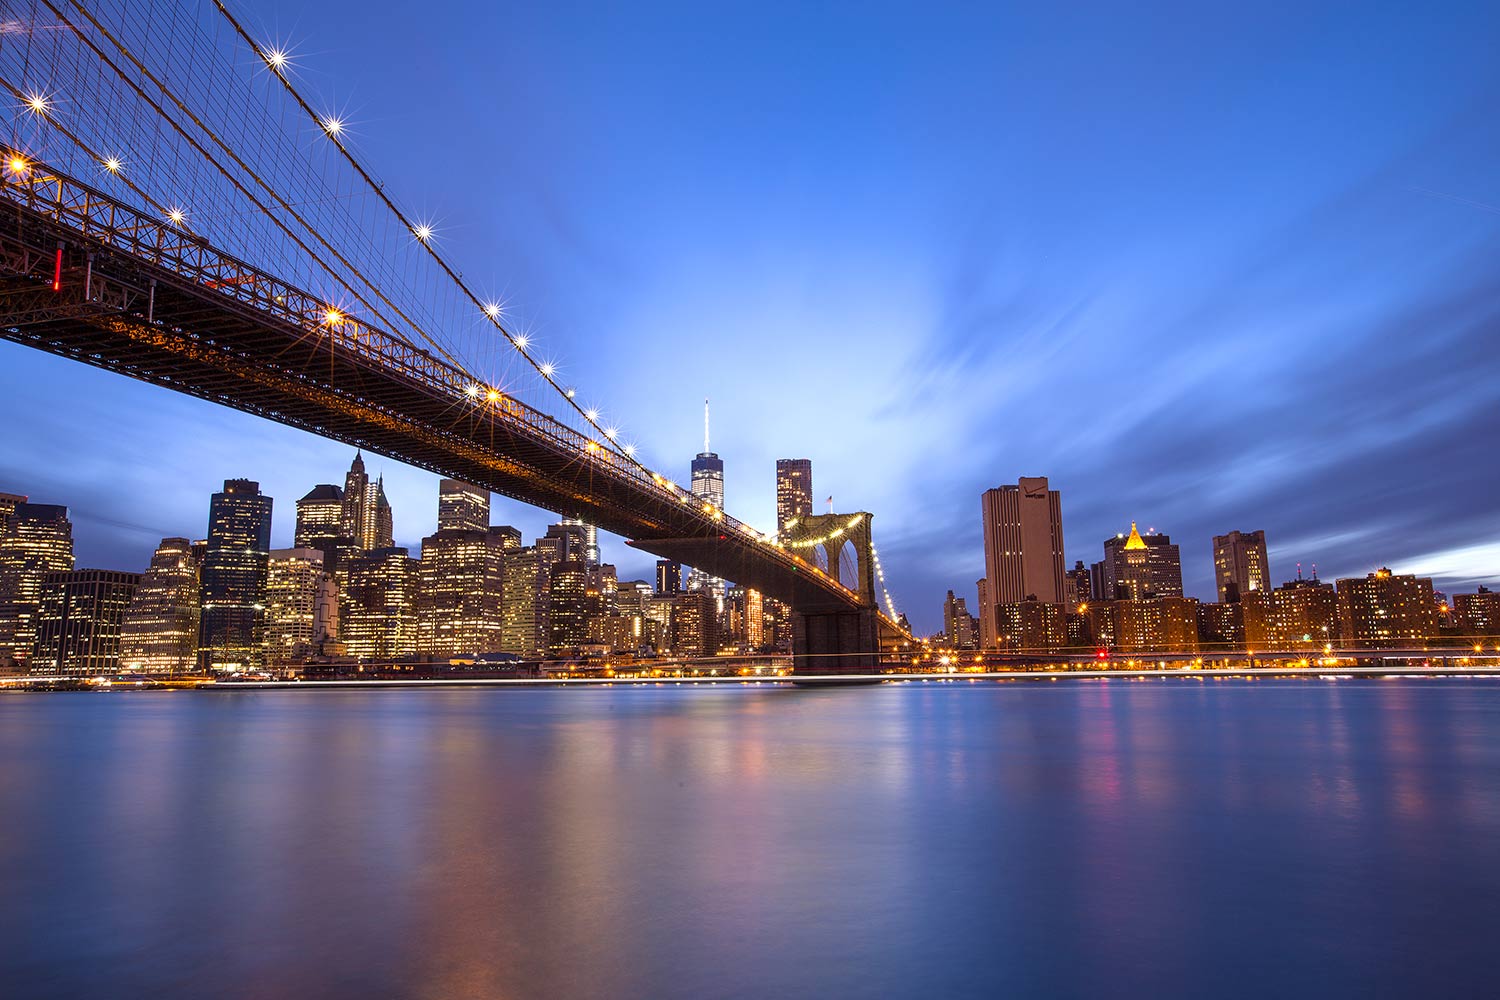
43, 685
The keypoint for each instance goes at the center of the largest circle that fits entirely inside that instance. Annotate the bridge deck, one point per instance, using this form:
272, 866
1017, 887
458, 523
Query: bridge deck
137, 296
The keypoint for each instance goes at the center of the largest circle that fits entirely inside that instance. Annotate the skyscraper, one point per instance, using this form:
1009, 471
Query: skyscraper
1023, 548
320, 525
380, 620
160, 631
708, 470
294, 580
793, 490
8, 503
1137, 566
567, 605
463, 506
366, 513
590, 553
1023, 542
523, 612
1079, 586
668, 577
1240, 564
78, 621
459, 611
695, 624
37, 539
231, 631
959, 628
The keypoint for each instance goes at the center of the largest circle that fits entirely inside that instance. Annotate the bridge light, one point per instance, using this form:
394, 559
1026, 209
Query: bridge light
473, 391
422, 231
493, 395
176, 215
593, 446
549, 369
630, 450
37, 103
333, 125
572, 393
113, 164
332, 316
592, 414
276, 59
521, 340
17, 165
492, 309
610, 433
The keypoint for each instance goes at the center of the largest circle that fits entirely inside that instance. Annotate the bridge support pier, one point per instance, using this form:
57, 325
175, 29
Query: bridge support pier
839, 642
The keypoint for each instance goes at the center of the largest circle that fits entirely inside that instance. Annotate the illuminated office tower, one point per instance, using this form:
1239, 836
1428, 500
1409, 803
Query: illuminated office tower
37, 539
695, 624
1240, 564
523, 611
564, 541
1383, 609
1137, 566
668, 577
750, 623
294, 584
1079, 586
793, 490
320, 525
160, 631
460, 608
590, 539
366, 513
380, 617
503, 537
707, 485
231, 630
567, 605
463, 506
708, 470
8, 504
78, 622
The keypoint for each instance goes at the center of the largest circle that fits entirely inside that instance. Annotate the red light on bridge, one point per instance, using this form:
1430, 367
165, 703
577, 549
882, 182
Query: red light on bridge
57, 271
1102, 654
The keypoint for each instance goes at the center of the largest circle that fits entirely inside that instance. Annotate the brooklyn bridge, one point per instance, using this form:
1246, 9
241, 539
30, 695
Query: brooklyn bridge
176, 210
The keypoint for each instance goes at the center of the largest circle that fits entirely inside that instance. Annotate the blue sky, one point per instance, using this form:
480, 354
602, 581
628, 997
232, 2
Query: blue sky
1205, 266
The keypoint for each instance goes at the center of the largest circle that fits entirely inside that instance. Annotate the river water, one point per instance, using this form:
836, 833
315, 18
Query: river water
1195, 838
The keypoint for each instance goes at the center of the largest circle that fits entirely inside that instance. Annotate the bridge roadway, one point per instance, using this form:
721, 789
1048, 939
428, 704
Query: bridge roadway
86, 277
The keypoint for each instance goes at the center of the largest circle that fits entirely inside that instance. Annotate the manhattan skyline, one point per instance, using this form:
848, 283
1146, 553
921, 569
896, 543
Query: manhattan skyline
1187, 338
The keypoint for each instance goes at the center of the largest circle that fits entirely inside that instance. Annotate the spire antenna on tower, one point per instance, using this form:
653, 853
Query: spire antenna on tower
705, 425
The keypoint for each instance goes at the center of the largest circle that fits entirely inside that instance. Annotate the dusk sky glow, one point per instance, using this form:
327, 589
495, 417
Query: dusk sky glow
1204, 269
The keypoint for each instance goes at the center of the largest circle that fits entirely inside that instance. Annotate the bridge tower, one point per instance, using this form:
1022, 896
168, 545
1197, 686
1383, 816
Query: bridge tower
847, 639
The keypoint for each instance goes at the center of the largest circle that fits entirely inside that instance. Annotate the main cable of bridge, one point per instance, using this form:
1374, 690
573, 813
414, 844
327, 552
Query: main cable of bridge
275, 61
249, 171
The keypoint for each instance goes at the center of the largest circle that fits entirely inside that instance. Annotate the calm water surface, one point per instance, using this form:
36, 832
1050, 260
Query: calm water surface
1172, 837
